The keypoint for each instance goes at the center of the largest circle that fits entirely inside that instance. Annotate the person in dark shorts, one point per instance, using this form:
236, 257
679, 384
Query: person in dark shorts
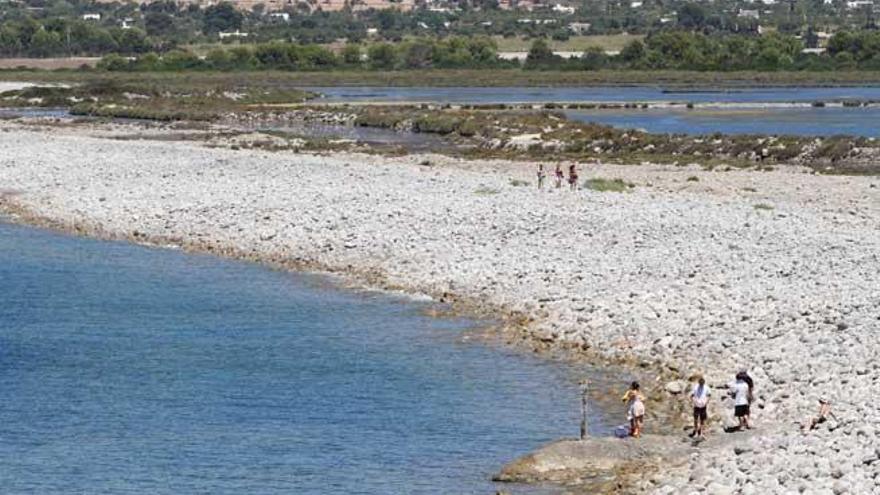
742, 395
572, 177
700, 401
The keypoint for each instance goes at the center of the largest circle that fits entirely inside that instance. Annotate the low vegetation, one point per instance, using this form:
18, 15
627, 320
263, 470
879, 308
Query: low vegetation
663, 50
608, 185
471, 130
494, 131
152, 99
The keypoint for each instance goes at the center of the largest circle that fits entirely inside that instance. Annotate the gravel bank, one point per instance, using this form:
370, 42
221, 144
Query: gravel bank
684, 270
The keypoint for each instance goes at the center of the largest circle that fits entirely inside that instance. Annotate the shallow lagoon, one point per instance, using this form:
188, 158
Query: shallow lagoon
731, 111
128, 369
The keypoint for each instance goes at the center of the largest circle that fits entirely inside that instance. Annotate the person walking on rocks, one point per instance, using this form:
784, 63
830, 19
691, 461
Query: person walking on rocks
541, 175
572, 177
635, 411
742, 394
559, 176
700, 400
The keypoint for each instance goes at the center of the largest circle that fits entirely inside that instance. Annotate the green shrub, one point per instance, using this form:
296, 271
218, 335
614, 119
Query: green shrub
608, 185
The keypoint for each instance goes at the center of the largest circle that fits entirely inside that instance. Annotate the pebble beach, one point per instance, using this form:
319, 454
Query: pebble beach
688, 271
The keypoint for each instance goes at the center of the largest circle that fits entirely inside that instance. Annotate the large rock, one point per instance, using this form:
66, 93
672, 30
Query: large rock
567, 460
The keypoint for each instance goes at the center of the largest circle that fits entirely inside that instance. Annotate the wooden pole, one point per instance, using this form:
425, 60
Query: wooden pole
584, 384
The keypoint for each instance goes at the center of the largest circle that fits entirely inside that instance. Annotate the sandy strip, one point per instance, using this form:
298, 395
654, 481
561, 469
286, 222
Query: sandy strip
14, 86
684, 272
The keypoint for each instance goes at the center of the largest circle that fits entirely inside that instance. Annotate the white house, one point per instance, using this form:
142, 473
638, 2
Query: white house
91, 17
127, 23
563, 9
284, 16
636, 4
234, 34
578, 27
857, 4
749, 14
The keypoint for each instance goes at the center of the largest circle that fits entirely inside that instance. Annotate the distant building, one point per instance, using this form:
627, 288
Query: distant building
579, 27
359, 5
234, 34
278, 5
563, 9
127, 23
284, 16
636, 4
91, 17
857, 4
749, 14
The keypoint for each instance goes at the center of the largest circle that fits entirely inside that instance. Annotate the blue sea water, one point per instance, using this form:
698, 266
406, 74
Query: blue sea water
128, 369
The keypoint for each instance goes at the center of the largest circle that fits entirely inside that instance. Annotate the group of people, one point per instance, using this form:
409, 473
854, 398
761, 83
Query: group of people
560, 176
741, 390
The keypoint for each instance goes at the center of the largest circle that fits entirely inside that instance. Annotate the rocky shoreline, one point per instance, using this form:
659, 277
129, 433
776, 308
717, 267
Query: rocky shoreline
690, 271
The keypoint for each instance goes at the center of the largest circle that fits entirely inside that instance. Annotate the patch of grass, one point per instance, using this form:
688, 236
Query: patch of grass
763, 206
465, 77
608, 185
609, 42
519, 183
693, 178
750, 189
486, 191
154, 98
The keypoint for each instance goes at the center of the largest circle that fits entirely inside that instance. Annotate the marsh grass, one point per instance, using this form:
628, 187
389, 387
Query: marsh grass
608, 185
153, 98
486, 191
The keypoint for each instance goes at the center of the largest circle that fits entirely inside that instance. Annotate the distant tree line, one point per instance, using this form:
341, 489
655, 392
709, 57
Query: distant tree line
688, 50
666, 50
62, 37
453, 52
56, 27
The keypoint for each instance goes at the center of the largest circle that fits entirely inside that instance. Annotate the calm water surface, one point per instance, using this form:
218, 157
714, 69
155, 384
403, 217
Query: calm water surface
127, 369
736, 120
800, 121
597, 94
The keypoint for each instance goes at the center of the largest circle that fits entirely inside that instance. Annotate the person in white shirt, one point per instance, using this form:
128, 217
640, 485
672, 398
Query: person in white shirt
742, 393
700, 401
